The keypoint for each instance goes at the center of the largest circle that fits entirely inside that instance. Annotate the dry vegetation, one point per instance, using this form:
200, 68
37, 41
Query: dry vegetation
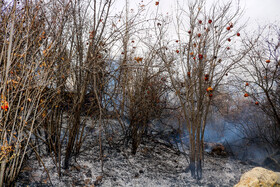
65, 59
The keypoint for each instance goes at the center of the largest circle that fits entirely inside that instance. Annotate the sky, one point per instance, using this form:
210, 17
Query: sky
262, 11
259, 12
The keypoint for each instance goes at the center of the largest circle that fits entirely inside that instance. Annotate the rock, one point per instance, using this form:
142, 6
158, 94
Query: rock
215, 149
272, 161
258, 177
278, 177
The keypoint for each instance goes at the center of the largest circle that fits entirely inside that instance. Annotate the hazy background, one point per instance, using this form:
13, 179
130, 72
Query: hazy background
258, 12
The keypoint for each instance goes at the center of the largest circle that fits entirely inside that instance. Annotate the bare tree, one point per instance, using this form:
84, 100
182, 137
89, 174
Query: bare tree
87, 64
260, 81
26, 72
201, 56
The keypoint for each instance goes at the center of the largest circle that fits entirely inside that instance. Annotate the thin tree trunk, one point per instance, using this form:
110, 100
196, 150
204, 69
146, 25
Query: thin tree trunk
72, 137
192, 154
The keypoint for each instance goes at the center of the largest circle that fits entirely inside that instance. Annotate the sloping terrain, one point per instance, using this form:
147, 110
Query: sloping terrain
155, 164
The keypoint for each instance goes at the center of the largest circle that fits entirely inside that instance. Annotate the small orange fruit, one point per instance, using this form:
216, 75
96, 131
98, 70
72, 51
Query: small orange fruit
209, 89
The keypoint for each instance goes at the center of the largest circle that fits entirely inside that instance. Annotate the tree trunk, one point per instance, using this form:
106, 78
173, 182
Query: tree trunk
198, 157
134, 136
72, 137
196, 154
192, 155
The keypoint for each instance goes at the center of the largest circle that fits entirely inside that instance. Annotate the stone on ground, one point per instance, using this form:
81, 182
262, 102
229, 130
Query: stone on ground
259, 177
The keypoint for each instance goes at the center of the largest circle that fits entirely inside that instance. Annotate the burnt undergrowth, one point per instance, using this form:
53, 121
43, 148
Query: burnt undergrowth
158, 162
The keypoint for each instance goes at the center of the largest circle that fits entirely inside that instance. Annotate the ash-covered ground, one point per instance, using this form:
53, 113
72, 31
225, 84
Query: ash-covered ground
157, 163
